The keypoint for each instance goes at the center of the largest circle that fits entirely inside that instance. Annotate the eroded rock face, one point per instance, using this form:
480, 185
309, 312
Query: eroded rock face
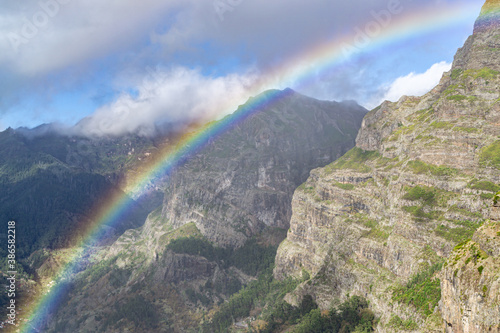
240, 184
488, 18
471, 283
244, 181
419, 182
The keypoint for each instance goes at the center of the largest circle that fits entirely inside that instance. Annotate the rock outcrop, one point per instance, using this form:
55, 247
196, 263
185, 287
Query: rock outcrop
233, 189
381, 220
471, 283
244, 180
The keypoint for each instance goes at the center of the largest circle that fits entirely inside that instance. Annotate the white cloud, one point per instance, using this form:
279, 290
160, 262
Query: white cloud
416, 84
177, 95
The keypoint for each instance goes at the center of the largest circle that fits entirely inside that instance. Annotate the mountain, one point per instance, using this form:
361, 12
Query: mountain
49, 183
405, 218
243, 182
225, 211
304, 216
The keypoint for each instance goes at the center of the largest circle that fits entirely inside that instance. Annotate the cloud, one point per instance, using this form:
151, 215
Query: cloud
87, 46
176, 95
42, 36
416, 84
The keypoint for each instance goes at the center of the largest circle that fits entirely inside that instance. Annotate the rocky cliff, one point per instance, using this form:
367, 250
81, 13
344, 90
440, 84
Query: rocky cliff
381, 221
244, 181
238, 186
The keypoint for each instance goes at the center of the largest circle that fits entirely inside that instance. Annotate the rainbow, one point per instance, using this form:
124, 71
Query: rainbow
118, 206
489, 15
295, 71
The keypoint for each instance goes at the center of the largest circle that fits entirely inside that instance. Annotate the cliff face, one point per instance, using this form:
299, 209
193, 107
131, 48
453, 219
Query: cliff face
244, 181
236, 187
471, 284
380, 221
48, 196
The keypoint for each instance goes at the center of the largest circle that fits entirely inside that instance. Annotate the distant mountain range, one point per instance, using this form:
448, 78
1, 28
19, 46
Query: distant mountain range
306, 216
236, 193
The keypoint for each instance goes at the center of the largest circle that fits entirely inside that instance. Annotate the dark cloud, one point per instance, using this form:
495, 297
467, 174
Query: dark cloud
50, 47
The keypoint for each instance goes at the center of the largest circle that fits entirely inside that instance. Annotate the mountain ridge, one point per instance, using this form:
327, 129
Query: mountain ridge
234, 193
382, 220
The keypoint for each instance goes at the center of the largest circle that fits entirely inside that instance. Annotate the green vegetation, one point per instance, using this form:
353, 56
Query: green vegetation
484, 185
420, 215
51, 209
487, 196
466, 212
457, 234
460, 98
354, 159
404, 129
378, 233
452, 89
456, 73
251, 258
424, 194
241, 303
137, 310
194, 296
196, 246
352, 316
422, 115
347, 187
461, 246
267, 293
466, 129
50, 195
51, 186
419, 167
307, 189
95, 272
496, 198
119, 277
425, 137
477, 254
187, 230
376, 109
484, 73
441, 124
402, 325
423, 291
490, 155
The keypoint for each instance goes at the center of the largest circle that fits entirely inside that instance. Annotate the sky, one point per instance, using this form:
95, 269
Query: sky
116, 67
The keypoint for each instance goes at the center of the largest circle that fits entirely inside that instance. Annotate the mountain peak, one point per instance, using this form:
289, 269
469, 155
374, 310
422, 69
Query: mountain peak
489, 18
480, 51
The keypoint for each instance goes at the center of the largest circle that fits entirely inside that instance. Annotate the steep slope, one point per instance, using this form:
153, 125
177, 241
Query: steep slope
235, 192
48, 197
51, 198
244, 181
381, 220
